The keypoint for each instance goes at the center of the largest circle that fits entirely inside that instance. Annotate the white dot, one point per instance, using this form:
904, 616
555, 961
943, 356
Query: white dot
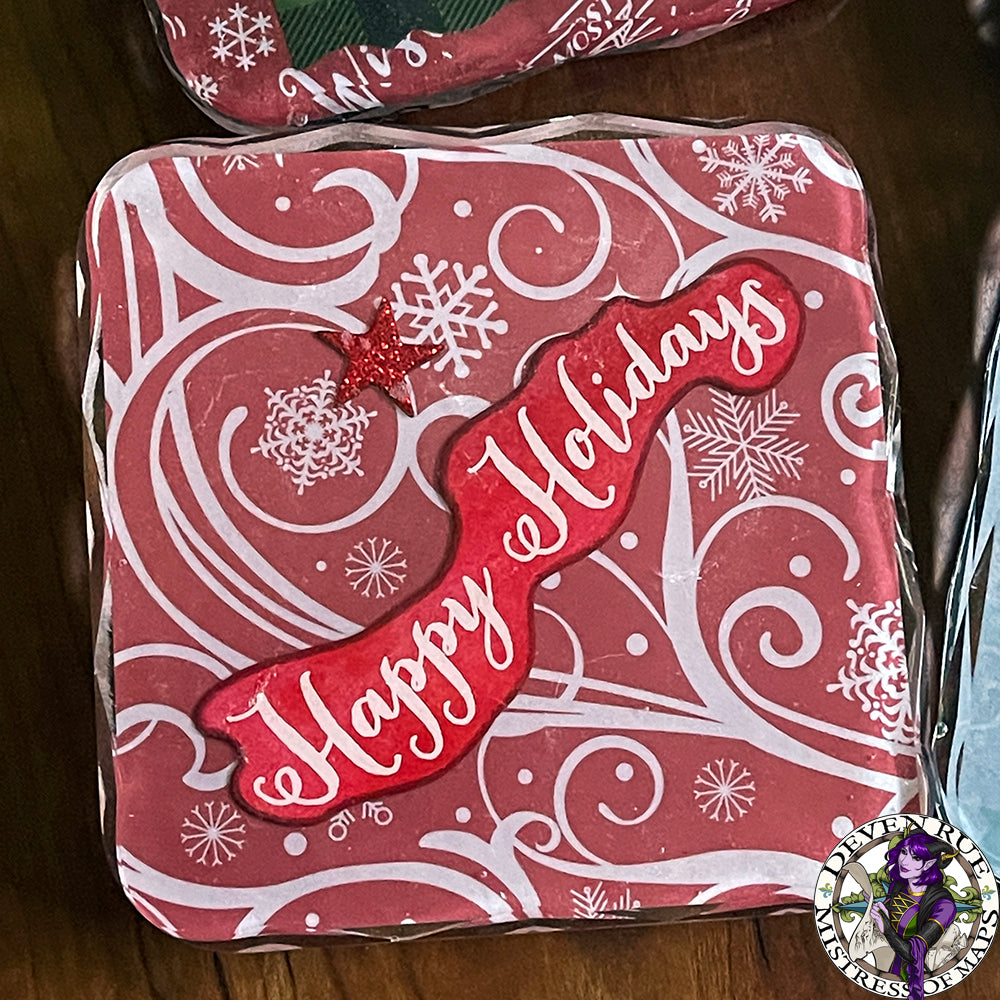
842, 826
699, 146
800, 566
295, 844
813, 299
848, 477
629, 540
525, 777
597, 378
538, 249
282, 204
624, 771
407, 920
321, 566
637, 644
312, 921
551, 582
463, 209
463, 815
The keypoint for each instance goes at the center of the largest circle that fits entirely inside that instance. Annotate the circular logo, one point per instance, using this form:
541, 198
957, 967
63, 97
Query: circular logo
906, 906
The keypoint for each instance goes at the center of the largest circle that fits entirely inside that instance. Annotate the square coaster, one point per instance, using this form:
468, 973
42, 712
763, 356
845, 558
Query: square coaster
714, 639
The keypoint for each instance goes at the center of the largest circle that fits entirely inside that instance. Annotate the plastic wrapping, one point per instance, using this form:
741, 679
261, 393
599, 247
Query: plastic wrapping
719, 688
964, 748
286, 64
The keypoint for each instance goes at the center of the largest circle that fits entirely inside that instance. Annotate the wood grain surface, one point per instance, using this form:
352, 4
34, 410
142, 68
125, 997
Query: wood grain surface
901, 85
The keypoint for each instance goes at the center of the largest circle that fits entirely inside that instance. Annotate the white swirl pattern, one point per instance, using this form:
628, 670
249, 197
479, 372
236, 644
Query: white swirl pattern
223, 558
844, 396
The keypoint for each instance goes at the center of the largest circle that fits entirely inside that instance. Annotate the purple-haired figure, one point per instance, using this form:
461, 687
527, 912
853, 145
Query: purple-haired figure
918, 908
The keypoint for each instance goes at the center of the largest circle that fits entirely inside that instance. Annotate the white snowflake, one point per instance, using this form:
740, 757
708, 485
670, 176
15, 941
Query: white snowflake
592, 903
240, 161
725, 789
376, 564
232, 161
242, 36
752, 173
743, 442
204, 87
441, 315
311, 437
212, 836
876, 672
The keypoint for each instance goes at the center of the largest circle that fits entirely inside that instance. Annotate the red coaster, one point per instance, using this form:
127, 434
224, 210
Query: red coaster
610, 624
289, 63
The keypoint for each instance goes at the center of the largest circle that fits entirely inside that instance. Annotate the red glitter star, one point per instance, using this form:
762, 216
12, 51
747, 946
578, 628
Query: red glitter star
380, 358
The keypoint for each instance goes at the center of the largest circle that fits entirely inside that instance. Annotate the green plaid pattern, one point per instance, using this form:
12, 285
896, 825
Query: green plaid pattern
314, 27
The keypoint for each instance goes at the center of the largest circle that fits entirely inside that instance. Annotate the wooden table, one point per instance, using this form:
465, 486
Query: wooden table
902, 86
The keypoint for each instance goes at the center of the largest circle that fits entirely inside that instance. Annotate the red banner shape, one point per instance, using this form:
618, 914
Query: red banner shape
537, 481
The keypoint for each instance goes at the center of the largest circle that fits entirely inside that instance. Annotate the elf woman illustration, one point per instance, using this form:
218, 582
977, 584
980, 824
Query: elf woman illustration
909, 925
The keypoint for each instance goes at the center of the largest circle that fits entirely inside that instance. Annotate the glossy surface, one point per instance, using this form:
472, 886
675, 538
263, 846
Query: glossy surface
82, 86
966, 744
